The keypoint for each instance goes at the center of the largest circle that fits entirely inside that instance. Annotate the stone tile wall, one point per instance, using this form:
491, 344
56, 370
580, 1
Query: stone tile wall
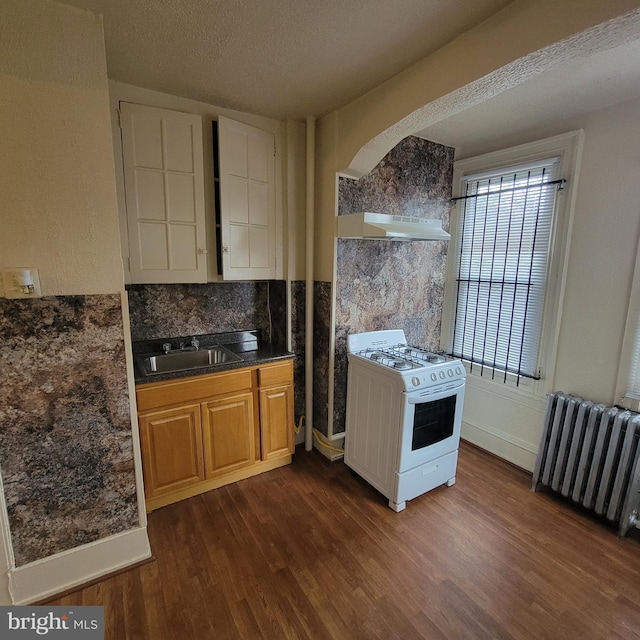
66, 448
393, 285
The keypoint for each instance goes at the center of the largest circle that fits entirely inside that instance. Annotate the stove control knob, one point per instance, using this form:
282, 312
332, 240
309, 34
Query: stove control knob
442, 375
450, 373
434, 377
415, 382
458, 370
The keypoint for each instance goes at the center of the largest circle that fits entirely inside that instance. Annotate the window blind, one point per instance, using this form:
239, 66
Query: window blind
503, 242
633, 390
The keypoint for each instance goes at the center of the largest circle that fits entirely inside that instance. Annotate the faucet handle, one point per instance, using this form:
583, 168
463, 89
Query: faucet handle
166, 347
195, 343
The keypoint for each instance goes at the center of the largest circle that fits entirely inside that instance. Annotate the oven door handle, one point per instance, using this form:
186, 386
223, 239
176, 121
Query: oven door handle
427, 396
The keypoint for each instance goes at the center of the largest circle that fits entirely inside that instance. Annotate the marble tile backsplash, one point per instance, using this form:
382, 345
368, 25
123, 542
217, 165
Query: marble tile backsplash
66, 448
162, 311
298, 332
321, 341
389, 285
166, 310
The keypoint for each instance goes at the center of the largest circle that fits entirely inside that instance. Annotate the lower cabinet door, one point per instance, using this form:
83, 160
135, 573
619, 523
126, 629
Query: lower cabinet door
228, 431
171, 442
276, 422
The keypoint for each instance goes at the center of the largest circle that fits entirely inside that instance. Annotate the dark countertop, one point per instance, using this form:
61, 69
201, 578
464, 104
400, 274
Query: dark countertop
246, 344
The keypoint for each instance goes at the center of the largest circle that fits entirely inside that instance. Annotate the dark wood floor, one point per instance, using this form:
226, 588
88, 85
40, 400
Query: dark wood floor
311, 551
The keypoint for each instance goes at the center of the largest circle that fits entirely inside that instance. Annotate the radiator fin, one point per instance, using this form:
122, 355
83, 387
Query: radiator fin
590, 454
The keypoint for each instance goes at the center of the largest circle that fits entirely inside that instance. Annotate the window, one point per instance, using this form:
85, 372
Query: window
506, 258
628, 383
633, 387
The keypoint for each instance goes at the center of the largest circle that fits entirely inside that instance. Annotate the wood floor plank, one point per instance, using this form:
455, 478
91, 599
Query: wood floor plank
312, 551
245, 623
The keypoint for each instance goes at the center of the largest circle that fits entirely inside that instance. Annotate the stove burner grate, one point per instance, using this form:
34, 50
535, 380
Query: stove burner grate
402, 357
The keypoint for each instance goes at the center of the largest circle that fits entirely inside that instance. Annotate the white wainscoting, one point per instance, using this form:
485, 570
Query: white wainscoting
504, 420
47, 577
501, 444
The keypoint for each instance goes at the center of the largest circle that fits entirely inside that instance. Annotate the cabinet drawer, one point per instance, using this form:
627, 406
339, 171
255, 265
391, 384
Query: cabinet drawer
162, 394
280, 373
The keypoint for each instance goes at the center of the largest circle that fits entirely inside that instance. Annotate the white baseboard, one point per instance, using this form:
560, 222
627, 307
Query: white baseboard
47, 577
501, 444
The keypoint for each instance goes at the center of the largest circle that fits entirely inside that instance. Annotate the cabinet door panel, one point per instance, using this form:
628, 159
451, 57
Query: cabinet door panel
171, 449
184, 248
228, 433
154, 246
247, 201
150, 195
179, 145
276, 421
147, 140
259, 247
237, 201
181, 196
239, 247
164, 182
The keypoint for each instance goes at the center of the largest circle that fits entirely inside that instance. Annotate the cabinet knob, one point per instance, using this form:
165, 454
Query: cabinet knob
202, 252
225, 248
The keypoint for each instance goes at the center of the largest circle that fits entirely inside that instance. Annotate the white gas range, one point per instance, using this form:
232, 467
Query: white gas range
404, 413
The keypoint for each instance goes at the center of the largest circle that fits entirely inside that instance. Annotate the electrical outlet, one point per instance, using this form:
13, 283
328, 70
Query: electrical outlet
21, 283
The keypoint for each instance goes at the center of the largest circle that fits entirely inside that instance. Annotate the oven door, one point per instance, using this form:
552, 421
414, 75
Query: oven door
431, 424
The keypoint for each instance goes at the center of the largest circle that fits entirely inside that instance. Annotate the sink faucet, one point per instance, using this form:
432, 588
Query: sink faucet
195, 345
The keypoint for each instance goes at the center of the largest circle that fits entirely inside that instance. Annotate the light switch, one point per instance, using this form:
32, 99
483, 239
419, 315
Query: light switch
21, 283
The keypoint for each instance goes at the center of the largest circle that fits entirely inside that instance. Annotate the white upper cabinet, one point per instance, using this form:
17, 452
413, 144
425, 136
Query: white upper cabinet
247, 201
164, 191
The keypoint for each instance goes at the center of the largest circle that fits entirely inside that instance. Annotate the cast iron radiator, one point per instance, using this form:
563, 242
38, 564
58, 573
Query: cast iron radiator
590, 454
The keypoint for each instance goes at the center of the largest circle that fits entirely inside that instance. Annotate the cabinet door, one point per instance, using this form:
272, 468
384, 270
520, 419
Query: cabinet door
227, 425
247, 201
164, 188
172, 456
276, 422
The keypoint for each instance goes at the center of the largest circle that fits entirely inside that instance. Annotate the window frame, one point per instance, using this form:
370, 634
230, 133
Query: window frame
567, 147
630, 345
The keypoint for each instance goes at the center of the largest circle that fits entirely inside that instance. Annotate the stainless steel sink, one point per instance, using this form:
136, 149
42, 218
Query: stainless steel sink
185, 360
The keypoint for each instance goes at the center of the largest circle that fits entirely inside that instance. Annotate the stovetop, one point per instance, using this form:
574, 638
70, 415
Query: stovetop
417, 367
402, 357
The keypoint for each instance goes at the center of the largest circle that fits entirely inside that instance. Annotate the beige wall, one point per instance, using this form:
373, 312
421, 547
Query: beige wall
57, 180
493, 57
59, 211
604, 243
601, 260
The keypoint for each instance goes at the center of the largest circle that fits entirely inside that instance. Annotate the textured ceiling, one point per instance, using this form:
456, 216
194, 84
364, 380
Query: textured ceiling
280, 58
567, 90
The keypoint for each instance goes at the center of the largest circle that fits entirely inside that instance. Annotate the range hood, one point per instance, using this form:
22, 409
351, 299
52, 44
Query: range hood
384, 226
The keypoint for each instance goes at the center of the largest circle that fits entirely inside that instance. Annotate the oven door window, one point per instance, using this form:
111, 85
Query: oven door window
433, 422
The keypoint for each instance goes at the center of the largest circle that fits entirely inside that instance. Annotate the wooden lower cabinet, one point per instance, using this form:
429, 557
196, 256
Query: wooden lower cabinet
227, 427
203, 432
276, 434
171, 441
